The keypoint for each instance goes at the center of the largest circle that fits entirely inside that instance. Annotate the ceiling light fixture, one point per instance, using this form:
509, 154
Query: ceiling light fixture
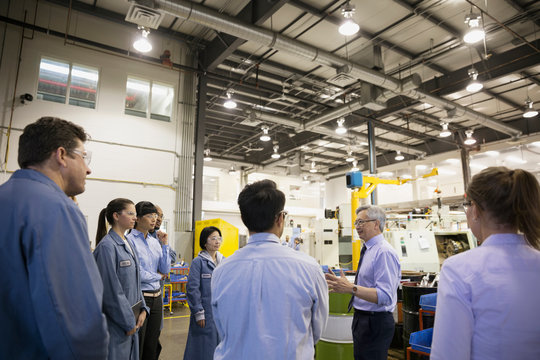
142, 44
475, 33
232, 170
350, 157
229, 103
313, 167
341, 130
207, 156
529, 110
474, 85
399, 157
348, 27
469, 140
265, 136
276, 155
306, 179
354, 167
445, 132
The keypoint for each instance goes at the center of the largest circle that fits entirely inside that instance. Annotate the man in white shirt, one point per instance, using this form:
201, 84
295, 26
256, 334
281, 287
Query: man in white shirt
268, 300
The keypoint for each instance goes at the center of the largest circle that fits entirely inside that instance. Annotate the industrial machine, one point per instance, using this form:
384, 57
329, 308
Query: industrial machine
325, 247
362, 187
425, 250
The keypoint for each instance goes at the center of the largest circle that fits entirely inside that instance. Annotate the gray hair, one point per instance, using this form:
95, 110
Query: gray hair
375, 213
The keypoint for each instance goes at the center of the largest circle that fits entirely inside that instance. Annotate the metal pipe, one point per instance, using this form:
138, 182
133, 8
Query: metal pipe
220, 22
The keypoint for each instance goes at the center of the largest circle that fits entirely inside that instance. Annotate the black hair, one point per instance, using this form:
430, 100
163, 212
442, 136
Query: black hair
143, 208
115, 206
44, 136
259, 204
205, 234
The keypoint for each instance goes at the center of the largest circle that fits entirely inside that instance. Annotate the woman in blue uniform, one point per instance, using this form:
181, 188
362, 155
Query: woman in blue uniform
118, 265
203, 337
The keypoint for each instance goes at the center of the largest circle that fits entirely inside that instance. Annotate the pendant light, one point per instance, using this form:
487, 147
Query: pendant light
348, 27
142, 44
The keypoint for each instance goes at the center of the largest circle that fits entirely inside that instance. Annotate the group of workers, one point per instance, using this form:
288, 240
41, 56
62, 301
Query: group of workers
265, 301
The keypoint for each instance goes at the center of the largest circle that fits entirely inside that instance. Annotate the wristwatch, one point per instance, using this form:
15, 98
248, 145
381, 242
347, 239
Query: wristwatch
354, 290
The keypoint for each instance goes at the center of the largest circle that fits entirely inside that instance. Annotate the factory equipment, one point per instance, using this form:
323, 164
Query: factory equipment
424, 250
362, 187
326, 246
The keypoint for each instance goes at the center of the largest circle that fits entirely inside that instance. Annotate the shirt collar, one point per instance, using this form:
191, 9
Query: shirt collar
377, 239
138, 234
116, 237
504, 239
260, 237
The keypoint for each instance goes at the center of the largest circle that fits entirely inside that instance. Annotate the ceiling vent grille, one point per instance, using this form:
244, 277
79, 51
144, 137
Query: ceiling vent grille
144, 16
342, 80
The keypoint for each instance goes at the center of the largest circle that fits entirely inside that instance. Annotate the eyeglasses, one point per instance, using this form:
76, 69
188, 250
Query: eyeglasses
466, 205
359, 222
130, 213
86, 156
151, 216
284, 212
215, 238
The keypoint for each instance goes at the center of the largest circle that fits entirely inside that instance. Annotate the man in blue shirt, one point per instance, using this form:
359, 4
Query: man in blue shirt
52, 290
268, 300
374, 292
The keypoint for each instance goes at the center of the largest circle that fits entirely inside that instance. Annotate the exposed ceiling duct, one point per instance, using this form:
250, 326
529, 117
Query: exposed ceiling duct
223, 23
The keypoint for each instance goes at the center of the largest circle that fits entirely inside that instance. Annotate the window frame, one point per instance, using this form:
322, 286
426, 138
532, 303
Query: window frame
68, 83
148, 113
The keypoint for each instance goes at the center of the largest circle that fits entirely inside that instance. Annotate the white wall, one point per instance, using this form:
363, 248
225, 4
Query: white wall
117, 156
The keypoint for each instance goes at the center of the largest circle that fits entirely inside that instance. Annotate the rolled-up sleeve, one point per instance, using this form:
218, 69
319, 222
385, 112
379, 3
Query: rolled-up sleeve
387, 275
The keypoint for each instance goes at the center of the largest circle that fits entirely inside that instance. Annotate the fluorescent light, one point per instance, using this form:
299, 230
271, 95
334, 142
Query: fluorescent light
474, 86
529, 110
469, 140
265, 136
142, 44
445, 132
340, 130
492, 153
348, 27
229, 103
475, 32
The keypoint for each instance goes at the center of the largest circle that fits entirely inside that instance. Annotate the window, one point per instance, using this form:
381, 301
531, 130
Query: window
149, 99
56, 77
210, 188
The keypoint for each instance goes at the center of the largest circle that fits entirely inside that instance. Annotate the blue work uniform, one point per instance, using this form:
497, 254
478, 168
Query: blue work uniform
201, 342
51, 289
119, 268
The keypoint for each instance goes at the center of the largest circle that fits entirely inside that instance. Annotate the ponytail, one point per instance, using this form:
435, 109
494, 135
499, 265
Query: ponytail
526, 205
101, 227
115, 206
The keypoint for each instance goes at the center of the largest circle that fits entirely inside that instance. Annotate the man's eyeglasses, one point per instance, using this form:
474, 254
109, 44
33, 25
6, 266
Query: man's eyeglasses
359, 222
284, 212
86, 156
466, 205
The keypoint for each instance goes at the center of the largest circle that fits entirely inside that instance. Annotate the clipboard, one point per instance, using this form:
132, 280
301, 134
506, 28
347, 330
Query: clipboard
137, 307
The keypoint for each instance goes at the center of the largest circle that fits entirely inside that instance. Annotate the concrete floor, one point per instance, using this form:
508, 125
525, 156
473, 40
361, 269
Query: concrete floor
174, 334
175, 330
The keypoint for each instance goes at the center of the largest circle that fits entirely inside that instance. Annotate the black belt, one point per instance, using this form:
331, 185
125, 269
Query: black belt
363, 312
151, 291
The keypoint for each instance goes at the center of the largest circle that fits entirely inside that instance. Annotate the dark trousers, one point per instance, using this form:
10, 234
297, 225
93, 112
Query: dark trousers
372, 334
149, 333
